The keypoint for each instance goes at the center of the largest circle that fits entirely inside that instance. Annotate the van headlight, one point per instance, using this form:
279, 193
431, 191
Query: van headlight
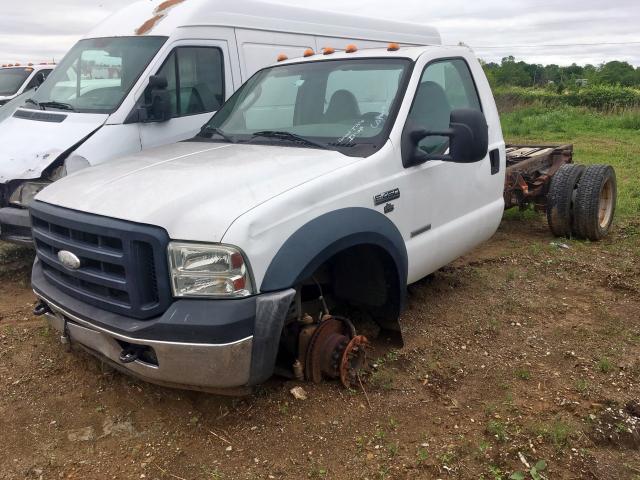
208, 270
23, 195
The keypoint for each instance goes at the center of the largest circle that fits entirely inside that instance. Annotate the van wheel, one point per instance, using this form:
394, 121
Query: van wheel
560, 199
595, 202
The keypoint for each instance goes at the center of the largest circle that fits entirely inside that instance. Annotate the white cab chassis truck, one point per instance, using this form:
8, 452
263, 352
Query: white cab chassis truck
153, 74
316, 194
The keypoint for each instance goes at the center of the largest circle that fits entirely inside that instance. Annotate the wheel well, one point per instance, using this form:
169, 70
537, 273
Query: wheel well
363, 277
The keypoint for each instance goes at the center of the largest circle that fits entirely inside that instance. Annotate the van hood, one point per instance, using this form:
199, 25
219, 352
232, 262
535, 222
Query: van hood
194, 190
30, 145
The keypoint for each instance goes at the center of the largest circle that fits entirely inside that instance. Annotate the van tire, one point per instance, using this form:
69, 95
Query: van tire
595, 202
560, 199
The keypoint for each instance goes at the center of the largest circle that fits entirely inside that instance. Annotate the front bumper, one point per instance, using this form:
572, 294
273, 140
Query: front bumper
15, 225
222, 346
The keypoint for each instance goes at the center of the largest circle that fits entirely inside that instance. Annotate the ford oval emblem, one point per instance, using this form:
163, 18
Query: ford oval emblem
69, 260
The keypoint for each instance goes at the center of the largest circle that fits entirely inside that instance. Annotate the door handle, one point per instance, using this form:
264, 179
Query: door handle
494, 157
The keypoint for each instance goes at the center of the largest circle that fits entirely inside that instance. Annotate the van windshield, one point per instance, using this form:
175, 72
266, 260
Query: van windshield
96, 75
343, 104
11, 79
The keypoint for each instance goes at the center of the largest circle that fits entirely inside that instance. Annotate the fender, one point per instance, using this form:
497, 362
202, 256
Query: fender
321, 238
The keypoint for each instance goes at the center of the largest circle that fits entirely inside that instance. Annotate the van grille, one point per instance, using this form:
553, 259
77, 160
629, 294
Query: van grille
123, 266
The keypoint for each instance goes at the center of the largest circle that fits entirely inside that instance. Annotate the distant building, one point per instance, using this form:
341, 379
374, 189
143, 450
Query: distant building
582, 82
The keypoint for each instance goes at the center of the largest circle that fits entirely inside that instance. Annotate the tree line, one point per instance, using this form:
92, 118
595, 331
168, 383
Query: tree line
510, 72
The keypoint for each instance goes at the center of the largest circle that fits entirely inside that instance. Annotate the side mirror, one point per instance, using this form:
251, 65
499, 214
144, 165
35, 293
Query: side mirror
157, 106
468, 139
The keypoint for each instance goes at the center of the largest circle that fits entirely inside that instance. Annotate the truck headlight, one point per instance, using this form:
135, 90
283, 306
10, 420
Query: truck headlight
23, 195
208, 270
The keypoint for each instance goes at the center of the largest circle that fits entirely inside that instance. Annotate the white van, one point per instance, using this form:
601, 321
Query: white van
153, 74
16, 79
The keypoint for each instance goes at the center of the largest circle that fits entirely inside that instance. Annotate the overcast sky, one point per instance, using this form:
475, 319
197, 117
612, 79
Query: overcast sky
39, 30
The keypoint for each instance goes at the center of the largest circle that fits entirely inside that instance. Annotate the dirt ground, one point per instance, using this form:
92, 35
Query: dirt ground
525, 351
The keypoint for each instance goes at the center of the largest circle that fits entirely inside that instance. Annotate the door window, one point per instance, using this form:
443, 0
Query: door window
195, 78
445, 86
38, 79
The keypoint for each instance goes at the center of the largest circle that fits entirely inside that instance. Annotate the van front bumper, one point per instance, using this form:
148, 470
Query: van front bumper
191, 346
15, 225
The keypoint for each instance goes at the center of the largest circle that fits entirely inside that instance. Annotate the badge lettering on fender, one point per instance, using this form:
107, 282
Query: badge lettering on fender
386, 197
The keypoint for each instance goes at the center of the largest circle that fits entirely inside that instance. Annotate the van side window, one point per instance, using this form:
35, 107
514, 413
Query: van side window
38, 79
445, 86
195, 77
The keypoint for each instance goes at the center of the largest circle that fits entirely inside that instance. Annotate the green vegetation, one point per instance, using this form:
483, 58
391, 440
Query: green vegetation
605, 365
598, 137
523, 374
556, 432
601, 97
498, 430
521, 74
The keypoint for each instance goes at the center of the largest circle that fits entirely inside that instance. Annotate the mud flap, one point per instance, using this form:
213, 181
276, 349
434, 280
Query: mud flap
271, 310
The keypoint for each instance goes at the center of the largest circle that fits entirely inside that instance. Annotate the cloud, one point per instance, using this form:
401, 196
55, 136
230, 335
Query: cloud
37, 30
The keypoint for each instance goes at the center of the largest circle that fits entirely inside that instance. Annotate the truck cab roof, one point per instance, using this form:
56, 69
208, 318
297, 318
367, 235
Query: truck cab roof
332, 52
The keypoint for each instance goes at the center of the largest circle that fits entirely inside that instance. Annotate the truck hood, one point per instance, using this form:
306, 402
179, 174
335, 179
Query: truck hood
31, 145
195, 190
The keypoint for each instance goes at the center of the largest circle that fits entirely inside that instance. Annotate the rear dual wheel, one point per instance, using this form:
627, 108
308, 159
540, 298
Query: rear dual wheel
560, 199
595, 202
581, 201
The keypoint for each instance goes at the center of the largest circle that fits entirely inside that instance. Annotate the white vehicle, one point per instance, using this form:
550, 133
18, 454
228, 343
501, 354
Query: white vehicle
318, 192
325, 184
153, 74
17, 79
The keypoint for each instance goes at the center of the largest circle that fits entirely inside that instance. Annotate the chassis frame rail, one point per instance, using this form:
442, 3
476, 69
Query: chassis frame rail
529, 172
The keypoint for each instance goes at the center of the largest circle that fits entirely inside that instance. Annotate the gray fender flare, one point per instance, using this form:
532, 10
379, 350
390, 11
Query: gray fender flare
321, 238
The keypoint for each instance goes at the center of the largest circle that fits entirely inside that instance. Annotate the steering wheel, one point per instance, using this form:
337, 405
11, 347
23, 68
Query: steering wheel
374, 119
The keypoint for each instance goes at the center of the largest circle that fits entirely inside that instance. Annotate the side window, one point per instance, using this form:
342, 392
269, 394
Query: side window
38, 79
168, 71
195, 77
445, 86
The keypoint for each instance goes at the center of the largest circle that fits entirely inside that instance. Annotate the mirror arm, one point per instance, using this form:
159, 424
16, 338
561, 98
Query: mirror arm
437, 157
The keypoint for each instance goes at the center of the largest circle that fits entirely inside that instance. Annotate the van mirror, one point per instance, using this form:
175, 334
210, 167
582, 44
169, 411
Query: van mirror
468, 135
158, 100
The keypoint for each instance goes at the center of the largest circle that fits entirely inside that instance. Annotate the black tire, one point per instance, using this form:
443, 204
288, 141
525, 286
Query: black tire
595, 202
560, 199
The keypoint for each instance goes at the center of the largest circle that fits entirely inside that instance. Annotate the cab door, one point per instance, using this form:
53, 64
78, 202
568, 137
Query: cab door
198, 82
446, 200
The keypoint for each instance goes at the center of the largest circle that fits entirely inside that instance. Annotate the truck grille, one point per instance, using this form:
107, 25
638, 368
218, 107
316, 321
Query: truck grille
123, 265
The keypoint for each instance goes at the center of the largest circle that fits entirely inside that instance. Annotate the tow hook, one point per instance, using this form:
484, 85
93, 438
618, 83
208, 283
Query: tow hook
130, 354
41, 309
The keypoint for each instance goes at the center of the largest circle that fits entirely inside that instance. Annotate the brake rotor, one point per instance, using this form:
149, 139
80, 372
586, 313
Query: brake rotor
333, 353
353, 359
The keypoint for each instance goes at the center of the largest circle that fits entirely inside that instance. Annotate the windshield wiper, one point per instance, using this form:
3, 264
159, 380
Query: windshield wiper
58, 105
289, 136
32, 102
208, 132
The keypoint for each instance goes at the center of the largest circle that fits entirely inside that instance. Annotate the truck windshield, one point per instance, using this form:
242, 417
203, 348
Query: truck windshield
11, 79
343, 104
96, 74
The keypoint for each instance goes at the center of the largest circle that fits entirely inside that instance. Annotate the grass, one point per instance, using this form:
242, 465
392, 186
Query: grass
556, 432
611, 138
498, 430
605, 365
